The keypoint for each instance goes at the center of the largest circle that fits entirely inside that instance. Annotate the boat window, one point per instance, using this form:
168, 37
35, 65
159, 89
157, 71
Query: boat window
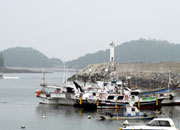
133, 109
113, 82
135, 93
164, 123
125, 109
94, 94
70, 90
120, 97
154, 123
110, 97
159, 123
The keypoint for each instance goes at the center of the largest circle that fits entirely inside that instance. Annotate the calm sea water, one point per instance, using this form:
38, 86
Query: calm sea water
19, 106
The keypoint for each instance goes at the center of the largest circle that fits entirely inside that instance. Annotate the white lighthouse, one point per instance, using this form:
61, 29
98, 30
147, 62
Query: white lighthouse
112, 45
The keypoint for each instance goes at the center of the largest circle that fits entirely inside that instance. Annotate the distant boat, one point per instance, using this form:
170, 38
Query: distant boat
1, 76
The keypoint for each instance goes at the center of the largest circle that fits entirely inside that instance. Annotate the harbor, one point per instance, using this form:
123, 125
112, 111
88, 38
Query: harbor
102, 90
20, 94
100, 94
89, 65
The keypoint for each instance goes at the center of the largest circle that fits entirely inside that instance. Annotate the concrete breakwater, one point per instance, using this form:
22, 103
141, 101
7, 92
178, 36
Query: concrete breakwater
141, 75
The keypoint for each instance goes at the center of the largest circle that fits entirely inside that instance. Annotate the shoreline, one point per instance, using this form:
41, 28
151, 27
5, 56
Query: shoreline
18, 70
33, 70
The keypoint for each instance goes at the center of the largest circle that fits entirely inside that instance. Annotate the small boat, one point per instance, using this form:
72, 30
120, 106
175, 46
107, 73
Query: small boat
155, 124
1, 76
128, 113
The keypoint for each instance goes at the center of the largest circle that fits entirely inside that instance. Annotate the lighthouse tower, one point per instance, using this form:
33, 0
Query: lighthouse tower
112, 45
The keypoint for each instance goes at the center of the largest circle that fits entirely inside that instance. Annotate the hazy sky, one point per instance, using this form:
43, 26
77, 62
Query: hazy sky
67, 29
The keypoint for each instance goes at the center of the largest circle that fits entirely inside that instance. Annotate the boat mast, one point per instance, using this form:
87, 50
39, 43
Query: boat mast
169, 78
122, 87
43, 84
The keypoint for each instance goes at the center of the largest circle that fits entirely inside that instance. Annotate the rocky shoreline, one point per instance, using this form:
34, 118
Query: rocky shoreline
146, 80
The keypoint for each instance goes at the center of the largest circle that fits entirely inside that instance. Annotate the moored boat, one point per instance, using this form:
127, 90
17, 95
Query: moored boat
128, 113
64, 95
155, 124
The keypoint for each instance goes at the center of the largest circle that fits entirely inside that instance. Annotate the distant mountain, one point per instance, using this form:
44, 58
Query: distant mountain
141, 50
28, 57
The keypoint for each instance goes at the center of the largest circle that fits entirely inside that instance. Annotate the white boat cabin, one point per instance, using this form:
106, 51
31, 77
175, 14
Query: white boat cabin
155, 124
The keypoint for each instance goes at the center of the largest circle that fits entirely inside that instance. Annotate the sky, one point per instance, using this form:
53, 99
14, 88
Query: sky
68, 29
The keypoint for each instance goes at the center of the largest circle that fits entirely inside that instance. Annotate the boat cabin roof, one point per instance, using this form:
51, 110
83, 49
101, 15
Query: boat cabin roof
164, 122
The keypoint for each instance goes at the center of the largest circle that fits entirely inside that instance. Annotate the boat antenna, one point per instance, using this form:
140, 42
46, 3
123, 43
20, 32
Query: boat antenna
43, 78
122, 87
169, 78
67, 69
64, 72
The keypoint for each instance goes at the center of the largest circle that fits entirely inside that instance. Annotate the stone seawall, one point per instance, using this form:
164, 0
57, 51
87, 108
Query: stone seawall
162, 67
143, 75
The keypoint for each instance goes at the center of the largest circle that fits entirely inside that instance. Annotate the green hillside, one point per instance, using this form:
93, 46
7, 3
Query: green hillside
141, 50
28, 57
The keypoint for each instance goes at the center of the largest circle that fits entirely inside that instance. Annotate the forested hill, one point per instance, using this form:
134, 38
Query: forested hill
28, 57
133, 51
141, 50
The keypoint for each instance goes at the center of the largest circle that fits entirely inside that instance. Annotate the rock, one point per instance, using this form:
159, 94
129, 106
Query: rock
145, 80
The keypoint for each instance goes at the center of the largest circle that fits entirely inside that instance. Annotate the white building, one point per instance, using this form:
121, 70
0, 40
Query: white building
112, 46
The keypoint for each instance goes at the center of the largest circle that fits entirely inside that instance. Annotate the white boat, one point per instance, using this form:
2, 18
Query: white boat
102, 98
155, 124
63, 94
58, 95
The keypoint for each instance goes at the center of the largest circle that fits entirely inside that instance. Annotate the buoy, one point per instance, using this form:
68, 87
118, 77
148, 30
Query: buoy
89, 117
22, 126
125, 123
38, 92
43, 116
120, 128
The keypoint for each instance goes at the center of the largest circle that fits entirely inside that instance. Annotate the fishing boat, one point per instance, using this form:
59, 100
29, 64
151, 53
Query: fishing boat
63, 94
167, 91
57, 95
129, 112
140, 102
104, 100
155, 124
